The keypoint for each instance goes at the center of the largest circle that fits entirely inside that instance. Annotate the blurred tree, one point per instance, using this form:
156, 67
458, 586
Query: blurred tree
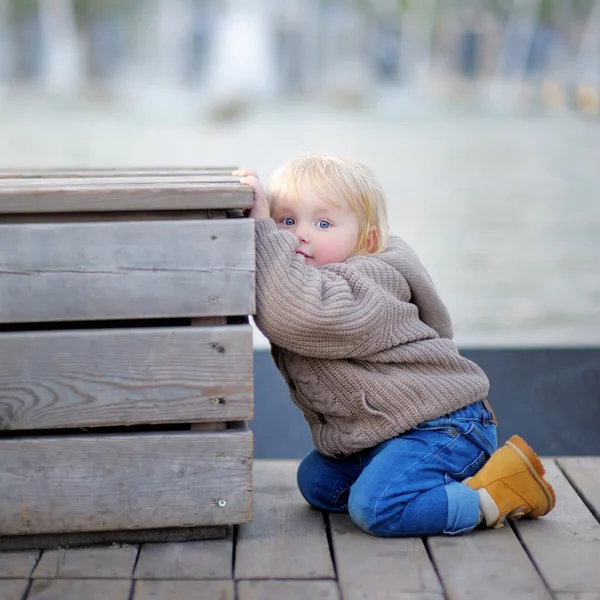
88, 8
23, 7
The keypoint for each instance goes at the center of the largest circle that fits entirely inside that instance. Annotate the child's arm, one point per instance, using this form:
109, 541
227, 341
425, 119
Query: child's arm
336, 311
343, 310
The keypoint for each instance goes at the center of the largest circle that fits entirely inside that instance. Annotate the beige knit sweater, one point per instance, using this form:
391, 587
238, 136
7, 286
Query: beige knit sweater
365, 346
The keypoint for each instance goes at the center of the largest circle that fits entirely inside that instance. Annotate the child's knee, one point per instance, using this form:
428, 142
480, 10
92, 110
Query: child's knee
370, 510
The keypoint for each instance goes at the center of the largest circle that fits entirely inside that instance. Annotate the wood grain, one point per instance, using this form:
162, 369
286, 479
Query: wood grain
288, 590
17, 564
101, 181
13, 589
144, 269
51, 541
87, 563
122, 194
565, 544
371, 567
80, 589
190, 560
488, 564
184, 590
287, 538
53, 173
92, 378
135, 481
584, 473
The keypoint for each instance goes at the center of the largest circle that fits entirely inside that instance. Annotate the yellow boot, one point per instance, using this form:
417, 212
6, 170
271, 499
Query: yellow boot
511, 484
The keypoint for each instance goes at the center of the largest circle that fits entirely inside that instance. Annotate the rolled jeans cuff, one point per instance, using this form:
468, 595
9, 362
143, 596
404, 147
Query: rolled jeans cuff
463, 508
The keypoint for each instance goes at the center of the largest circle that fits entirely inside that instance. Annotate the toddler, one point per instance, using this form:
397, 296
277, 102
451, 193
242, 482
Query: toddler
405, 440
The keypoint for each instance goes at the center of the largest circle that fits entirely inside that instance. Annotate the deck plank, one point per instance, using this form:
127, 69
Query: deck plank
13, 589
82, 563
584, 473
565, 545
184, 590
370, 567
78, 589
488, 564
287, 538
17, 564
288, 590
189, 560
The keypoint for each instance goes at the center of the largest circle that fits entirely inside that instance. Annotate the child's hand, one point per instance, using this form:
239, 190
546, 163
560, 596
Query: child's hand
260, 207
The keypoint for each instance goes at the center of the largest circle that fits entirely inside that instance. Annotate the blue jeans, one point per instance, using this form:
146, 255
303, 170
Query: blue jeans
409, 485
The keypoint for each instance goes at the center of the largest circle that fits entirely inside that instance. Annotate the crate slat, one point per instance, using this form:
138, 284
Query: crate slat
125, 193
101, 181
111, 482
106, 270
94, 378
57, 172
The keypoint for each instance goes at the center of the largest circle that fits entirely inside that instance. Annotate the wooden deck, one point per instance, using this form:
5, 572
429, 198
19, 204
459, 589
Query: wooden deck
290, 551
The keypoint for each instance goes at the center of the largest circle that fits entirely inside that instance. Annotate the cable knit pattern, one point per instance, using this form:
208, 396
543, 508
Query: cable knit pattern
365, 346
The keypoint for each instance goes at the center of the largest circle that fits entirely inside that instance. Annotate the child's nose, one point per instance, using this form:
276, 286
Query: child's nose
302, 233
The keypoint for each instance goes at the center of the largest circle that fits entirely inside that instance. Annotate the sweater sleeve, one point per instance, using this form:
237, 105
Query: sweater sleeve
316, 312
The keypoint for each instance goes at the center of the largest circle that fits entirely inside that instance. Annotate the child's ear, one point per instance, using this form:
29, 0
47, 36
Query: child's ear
372, 240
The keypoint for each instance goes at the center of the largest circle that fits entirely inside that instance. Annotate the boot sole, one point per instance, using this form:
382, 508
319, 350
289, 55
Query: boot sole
535, 467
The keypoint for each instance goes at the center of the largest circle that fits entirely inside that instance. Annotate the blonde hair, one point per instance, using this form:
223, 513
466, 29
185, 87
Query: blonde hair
333, 178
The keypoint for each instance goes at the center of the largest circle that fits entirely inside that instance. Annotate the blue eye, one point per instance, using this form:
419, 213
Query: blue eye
322, 224
289, 221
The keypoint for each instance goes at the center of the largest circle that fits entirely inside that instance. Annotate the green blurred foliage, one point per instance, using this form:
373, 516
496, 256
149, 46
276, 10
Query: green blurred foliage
549, 11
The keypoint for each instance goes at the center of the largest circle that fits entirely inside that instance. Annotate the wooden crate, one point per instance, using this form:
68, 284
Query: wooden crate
125, 353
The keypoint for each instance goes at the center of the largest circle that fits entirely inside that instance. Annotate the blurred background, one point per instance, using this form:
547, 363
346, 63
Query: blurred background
481, 118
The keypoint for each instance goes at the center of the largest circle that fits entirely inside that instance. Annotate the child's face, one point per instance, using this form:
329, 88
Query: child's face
327, 233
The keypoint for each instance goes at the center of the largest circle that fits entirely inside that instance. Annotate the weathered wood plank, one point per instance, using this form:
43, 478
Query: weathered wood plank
191, 560
577, 596
13, 589
136, 481
565, 545
93, 217
286, 539
147, 269
288, 590
92, 378
17, 564
370, 567
49, 173
121, 194
93, 181
87, 563
584, 474
184, 590
92, 538
488, 564
79, 589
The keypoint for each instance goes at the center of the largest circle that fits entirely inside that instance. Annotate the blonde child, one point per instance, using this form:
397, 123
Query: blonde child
405, 441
